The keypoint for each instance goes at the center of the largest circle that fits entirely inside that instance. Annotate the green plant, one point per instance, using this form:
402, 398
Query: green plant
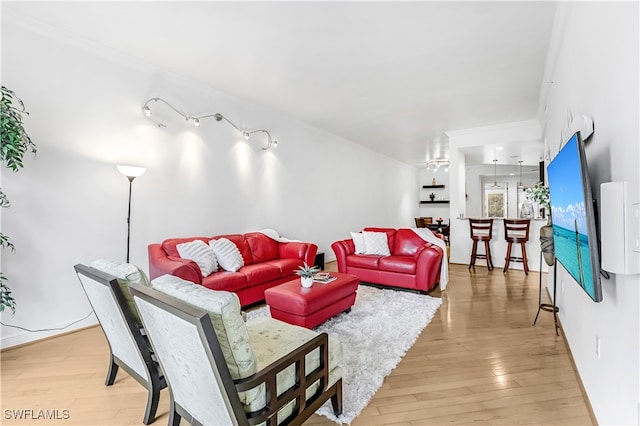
307, 271
540, 194
15, 142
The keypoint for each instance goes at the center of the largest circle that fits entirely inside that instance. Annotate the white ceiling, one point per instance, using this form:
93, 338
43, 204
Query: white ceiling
393, 76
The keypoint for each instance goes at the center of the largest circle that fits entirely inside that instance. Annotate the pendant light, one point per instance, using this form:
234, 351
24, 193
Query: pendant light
520, 184
495, 177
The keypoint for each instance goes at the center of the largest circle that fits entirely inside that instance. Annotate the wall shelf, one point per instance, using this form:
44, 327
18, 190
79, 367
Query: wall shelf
432, 186
435, 202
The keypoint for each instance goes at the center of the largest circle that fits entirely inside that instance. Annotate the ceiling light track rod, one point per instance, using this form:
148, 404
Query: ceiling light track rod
195, 120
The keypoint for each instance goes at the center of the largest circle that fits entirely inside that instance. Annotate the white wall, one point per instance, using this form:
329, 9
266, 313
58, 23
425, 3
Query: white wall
69, 203
594, 69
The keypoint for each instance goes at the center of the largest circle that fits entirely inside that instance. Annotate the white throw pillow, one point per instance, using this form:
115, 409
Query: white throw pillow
358, 241
201, 253
376, 243
228, 255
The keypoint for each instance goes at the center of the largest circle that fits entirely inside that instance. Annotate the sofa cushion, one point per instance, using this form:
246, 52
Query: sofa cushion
201, 253
293, 250
400, 264
287, 267
272, 339
125, 273
262, 247
224, 310
225, 281
391, 234
376, 243
242, 245
366, 261
407, 243
227, 253
259, 273
169, 245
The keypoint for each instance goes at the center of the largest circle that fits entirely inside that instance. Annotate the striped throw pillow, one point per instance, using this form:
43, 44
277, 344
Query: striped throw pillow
228, 255
201, 253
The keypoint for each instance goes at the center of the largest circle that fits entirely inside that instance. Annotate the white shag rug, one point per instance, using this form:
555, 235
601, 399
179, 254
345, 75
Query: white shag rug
375, 335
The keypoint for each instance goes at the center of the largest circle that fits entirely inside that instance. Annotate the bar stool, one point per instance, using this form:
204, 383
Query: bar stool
516, 231
481, 230
421, 222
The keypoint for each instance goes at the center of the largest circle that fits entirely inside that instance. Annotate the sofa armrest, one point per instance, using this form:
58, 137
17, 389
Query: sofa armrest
342, 249
161, 264
297, 250
276, 398
428, 260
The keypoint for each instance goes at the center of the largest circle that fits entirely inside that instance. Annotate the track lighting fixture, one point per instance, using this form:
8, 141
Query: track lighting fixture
437, 163
195, 121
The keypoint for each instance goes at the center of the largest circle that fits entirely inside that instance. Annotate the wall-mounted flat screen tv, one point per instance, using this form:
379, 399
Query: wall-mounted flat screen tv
575, 239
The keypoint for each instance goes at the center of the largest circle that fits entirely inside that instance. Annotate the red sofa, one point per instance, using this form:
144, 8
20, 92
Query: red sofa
267, 263
413, 264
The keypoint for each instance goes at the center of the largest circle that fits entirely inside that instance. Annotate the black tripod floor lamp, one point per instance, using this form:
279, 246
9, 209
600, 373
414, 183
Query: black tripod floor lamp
130, 172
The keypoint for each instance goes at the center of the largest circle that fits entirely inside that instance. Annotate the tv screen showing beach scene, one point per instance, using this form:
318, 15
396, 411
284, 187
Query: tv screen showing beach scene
572, 214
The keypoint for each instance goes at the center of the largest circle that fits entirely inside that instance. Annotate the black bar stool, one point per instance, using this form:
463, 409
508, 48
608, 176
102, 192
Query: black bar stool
481, 230
516, 231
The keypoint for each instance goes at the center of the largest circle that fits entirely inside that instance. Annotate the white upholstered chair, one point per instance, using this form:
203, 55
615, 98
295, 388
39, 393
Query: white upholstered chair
129, 348
223, 370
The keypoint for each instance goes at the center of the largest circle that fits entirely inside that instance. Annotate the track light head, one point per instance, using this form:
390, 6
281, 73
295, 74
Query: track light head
270, 144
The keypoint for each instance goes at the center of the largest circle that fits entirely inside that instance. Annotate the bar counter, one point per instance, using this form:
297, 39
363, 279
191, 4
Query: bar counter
461, 244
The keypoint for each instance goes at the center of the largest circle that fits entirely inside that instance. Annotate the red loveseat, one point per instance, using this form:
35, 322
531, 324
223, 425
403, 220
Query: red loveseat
413, 264
267, 263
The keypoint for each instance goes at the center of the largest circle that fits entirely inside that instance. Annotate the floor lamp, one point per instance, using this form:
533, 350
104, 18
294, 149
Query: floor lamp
130, 172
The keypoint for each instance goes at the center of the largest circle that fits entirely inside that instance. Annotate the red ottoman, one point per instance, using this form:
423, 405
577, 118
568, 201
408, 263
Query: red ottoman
308, 307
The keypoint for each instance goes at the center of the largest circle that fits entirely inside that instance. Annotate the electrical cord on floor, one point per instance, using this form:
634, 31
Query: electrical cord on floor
48, 329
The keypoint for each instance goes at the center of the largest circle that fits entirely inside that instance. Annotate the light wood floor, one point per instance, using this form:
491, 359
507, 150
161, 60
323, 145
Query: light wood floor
479, 361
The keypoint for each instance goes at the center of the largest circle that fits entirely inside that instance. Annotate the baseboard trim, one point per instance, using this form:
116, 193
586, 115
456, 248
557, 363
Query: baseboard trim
329, 257
575, 368
28, 337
